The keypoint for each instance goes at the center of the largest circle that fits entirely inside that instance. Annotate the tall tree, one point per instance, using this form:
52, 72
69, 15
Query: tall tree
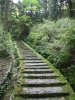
44, 7
5, 13
70, 7
53, 9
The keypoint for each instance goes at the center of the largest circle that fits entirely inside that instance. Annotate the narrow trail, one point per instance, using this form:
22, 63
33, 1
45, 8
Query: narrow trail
39, 81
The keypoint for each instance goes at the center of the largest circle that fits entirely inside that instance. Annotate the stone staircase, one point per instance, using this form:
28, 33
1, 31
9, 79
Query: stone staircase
39, 81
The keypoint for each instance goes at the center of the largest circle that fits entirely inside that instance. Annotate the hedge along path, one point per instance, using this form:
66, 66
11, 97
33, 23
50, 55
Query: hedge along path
38, 79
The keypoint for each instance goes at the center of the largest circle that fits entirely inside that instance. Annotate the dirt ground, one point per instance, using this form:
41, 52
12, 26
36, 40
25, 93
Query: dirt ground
4, 67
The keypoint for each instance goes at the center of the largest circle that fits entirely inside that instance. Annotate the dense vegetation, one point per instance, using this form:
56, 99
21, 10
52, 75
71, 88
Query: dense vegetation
46, 25
8, 52
6, 43
20, 26
56, 42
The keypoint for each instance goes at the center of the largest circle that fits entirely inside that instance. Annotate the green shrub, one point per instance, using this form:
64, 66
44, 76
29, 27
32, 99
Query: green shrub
3, 47
20, 26
6, 45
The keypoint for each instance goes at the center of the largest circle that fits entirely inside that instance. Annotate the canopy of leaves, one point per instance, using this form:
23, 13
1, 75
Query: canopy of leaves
31, 4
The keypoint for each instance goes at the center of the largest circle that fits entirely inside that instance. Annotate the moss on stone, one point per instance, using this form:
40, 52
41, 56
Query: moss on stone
62, 79
18, 86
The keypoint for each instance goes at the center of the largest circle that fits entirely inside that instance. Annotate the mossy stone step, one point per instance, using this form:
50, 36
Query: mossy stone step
28, 51
37, 71
32, 58
34, 61
41, 81
29, 54
62, 98
40, 76
33, 70
44, 85
34, 67
38, 59
51, 98
36, 64
43, 92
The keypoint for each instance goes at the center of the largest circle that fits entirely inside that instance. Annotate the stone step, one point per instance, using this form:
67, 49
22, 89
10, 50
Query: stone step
38, 59
31, 60
30, 56
34, 67
33, 70
25, 48
44, 85
28, 51
40, 76
36, 64
37, 71
43, 92
34, 61
51, 98
41, 81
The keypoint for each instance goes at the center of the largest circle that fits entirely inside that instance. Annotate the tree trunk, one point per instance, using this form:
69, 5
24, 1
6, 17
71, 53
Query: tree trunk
70, 8
53, 9
45, 9
6, 12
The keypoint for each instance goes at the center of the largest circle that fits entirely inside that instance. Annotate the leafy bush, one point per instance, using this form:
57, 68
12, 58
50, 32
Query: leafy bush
54, 38
6, 44
3, 47
20, 26
55, 41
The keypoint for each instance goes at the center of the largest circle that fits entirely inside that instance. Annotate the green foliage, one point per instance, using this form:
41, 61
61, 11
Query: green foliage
6, 44
3, 47
72, 97
32, 9
20, 26
31, 4
70, 74
55, 40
